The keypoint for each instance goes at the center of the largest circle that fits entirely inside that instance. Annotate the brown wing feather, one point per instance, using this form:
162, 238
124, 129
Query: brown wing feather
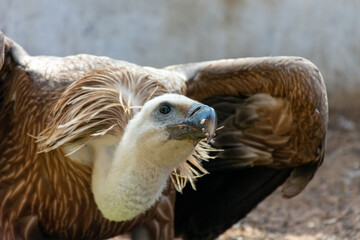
281, 124
260, 130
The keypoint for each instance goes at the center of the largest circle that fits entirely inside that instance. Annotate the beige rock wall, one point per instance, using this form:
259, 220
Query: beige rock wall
163, 32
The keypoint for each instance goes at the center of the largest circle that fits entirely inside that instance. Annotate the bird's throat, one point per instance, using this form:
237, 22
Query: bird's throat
124, 184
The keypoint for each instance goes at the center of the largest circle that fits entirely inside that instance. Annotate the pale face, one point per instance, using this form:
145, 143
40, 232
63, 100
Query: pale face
170, 126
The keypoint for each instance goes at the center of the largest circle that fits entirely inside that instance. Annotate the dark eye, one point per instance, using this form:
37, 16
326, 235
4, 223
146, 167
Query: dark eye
165, 109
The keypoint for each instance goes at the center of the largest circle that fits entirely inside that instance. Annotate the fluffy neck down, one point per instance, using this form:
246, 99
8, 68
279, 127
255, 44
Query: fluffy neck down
127, 185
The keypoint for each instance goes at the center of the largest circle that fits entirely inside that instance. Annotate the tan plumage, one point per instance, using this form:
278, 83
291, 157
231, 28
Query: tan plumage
274, 113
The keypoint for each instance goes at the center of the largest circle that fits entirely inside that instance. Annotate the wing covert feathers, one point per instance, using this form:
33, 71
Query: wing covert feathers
258, 132
282, 122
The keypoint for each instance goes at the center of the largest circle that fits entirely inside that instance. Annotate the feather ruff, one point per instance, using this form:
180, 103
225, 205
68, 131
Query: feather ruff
102, 102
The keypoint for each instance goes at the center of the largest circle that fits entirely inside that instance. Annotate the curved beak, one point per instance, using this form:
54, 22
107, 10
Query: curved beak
200, 123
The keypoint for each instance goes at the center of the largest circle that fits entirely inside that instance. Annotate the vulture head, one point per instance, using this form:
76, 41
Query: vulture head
173, 125
159, 138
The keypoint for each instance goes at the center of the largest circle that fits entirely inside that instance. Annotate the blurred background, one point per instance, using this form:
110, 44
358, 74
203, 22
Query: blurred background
163, 32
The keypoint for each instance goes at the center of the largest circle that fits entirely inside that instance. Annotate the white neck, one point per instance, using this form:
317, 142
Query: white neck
125, 184
130, 174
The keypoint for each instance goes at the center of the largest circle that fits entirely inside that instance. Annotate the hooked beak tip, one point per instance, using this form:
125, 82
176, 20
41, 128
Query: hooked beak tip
200, 123
205, 118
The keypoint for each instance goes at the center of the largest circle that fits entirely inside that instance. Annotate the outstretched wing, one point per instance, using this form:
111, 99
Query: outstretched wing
273, 111
274, 115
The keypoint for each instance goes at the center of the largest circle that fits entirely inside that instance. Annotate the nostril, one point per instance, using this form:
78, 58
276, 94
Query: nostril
196, 109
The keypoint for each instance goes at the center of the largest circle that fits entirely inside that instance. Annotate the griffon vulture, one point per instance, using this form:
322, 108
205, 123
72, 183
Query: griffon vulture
93, 147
